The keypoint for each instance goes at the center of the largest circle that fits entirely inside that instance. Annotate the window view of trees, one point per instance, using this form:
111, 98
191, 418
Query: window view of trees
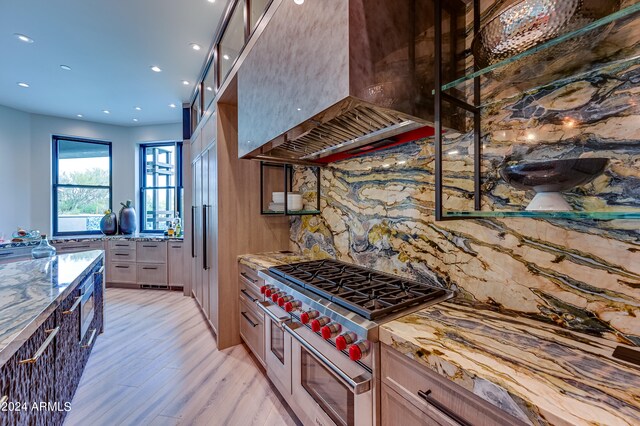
82, 184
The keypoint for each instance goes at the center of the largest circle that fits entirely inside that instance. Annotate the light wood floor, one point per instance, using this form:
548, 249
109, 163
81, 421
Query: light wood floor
157, 364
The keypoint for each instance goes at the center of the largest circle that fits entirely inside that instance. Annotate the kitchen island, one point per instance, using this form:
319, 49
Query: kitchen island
51, 311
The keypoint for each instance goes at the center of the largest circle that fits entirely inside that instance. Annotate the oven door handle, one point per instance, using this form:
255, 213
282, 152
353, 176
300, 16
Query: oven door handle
357, 385
264, 306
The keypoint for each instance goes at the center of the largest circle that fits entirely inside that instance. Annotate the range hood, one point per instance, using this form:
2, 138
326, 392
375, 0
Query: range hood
360, 75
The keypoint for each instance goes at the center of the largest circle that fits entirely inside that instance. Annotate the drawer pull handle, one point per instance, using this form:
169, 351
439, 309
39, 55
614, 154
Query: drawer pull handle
441, 408
121, 245
90, 341
52, 335
150, 245
6, 254
122, 267
149, 267
121, 254
176, 247
73, 307
100, 271
247, 277
246, 293
253, 324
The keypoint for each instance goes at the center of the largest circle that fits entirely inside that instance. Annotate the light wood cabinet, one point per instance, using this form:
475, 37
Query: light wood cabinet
252, 329
176, 265
151, 252
124, 273
427, 396
152, 274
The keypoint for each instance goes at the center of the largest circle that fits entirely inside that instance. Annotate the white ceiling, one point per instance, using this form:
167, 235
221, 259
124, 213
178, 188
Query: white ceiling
110, 46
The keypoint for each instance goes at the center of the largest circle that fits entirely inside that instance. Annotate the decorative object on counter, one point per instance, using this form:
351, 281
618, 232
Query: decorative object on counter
299, 202
178, 226
128, 223
530, 23
44, 249
549, 178
109, 223
22, 236
294, 202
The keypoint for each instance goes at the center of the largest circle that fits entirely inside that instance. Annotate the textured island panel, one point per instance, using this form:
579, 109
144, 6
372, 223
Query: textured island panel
30, 292
536, 372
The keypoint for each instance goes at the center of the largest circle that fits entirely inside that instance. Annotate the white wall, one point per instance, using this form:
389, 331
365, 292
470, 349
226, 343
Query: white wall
15, 166
36, 187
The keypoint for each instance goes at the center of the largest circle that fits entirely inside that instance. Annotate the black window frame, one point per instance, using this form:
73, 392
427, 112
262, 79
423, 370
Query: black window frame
55, 183
142, 181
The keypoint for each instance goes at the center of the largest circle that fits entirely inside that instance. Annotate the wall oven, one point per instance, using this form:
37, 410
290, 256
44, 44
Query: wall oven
277, 349
87, 305
329, 389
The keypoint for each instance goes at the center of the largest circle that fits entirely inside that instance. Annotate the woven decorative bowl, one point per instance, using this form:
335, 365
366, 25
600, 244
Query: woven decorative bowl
529, 23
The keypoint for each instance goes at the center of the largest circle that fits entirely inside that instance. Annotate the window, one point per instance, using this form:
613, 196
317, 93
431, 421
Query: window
161, 191
81, 185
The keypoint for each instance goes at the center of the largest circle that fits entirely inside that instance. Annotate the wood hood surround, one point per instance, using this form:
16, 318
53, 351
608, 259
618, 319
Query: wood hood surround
327, 72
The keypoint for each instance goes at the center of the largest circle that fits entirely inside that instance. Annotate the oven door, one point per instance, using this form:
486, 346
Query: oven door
327, 386
277, 349
87, 306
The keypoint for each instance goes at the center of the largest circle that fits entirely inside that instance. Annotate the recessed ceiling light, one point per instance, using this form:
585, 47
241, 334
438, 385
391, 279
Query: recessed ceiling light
226, 57
23, 84
195, 46
79, 115
23, 38
135, 119
172, 105
209, 89
106, 111
298, 1
299, 109
65, 67
138, 109
211, 1
156, 68
185, 82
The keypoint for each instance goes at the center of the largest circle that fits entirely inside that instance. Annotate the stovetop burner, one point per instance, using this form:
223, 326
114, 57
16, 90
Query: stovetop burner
366, 292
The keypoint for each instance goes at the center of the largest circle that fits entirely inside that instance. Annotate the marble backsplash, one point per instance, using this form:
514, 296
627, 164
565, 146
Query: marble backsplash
584, 275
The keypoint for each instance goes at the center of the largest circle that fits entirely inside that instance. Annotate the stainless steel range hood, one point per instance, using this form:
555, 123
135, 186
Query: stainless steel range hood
356, 72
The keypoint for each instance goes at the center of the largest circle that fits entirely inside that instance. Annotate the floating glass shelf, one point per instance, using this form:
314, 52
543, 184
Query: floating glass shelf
546, 45
291, 213
602, 215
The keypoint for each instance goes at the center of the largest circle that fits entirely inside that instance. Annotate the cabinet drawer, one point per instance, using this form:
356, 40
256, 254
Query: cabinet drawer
151, 252
432, 393
65, 248
123, 255
251, 277
249, 293
396, 410
252, 330
152, 273
122, 272
122, 244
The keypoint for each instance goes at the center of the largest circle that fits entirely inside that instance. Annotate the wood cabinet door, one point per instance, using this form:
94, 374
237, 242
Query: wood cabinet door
177, 270
28, 385
213, 293
395, 410
197, 230
206, 229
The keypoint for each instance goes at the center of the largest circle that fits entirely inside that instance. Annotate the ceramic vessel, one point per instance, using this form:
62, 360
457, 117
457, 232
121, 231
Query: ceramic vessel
128, 222
109, 223
549, 178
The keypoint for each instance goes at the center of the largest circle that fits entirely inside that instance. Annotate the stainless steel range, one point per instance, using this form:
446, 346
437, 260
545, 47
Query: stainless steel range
322, 347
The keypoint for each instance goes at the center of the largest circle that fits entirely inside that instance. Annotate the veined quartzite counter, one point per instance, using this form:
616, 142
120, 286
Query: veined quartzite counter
51, 311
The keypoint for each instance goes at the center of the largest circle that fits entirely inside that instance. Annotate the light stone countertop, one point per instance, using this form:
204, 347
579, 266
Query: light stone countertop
31, 290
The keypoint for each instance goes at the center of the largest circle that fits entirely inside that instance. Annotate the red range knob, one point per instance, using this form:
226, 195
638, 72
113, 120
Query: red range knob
268, 291
294, 304
359, 350
263, 289
331, 330
345, 339
283, 300
305, 317
276, 296
317, 324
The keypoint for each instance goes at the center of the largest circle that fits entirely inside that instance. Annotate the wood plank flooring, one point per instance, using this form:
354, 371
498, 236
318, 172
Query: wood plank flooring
157, 364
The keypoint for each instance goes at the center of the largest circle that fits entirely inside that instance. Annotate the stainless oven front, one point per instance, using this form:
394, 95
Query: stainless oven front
87, 306
327, 386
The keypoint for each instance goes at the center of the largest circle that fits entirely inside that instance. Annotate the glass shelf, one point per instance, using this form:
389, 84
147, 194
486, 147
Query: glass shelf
601, 215
291, 213
459, 84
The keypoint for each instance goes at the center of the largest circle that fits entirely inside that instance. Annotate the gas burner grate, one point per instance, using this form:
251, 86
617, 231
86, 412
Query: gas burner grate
368, 293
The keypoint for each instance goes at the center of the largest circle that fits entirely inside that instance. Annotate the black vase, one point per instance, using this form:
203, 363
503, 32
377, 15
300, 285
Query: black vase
109, 224
128, 223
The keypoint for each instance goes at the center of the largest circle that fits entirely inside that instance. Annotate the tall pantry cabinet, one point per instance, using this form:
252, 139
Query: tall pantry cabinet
226, 219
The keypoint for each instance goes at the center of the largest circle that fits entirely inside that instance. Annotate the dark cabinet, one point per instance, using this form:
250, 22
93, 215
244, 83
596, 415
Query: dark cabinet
27, 379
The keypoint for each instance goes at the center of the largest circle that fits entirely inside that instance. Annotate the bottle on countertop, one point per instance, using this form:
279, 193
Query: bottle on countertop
170, 231
44, 249
178, 226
